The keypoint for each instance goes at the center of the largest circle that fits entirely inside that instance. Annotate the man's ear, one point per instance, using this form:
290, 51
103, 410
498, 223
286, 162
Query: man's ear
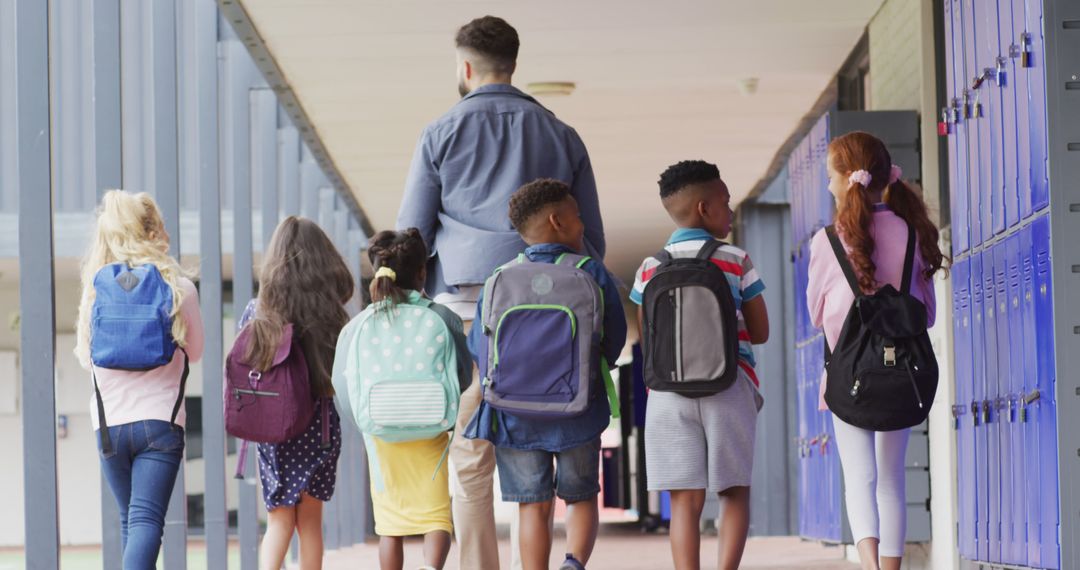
468, 69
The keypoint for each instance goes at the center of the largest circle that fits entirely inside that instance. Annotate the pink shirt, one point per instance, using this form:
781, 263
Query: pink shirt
828, 295
132, 396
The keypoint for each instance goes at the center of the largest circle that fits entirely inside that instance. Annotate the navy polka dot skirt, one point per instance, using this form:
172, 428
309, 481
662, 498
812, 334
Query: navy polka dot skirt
301, 464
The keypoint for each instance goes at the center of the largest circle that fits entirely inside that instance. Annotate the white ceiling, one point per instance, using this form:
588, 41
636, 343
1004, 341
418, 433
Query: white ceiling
657, 83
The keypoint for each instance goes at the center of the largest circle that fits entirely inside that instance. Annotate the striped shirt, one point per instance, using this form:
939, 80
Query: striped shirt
742, 277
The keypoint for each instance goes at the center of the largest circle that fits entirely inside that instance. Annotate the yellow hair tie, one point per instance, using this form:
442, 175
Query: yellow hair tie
385, 271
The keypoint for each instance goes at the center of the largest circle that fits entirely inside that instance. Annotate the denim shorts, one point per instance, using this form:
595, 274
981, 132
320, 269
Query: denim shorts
531, 476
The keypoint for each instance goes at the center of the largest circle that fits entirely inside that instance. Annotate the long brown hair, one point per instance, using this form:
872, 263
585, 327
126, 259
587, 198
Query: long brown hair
303, 281
403, 252
863, 151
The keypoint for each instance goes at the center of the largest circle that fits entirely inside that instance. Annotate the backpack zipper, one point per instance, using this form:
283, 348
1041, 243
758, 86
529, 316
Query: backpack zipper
855, 388
239, 391
675, 296
915, 386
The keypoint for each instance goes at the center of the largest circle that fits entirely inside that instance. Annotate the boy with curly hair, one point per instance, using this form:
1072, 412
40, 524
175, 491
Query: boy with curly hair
527, 450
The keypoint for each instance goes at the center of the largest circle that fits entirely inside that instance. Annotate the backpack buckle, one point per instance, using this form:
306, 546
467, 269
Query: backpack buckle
890, 356
254, 375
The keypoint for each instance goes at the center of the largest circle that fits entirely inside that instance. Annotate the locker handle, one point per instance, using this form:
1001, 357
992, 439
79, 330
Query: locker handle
1034, 395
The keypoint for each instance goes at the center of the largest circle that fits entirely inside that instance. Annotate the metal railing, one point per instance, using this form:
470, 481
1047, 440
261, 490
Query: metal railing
161, 96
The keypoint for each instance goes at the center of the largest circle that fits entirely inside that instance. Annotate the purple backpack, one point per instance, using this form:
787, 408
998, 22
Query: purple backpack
267, 406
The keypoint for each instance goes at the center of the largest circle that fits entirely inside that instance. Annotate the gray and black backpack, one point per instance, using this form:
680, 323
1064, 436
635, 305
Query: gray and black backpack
691, 336
543, 323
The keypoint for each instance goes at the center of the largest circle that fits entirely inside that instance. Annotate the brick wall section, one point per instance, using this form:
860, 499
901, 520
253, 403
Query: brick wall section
902, 77
896, 56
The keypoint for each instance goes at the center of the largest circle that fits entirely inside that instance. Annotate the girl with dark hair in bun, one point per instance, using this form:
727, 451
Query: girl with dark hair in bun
409, 479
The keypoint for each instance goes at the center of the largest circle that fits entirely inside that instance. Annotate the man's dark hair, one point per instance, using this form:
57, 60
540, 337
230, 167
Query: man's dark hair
685, 173
531, 198
494, 40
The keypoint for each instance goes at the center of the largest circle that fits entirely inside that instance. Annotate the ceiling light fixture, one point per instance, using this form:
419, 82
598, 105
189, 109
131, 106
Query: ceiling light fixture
551, 87
748, 86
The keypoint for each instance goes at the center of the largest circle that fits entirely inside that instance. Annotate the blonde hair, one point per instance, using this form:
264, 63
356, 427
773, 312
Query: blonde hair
129, 230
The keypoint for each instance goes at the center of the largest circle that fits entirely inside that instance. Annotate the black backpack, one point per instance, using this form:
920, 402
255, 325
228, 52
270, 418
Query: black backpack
882, 374
691, 339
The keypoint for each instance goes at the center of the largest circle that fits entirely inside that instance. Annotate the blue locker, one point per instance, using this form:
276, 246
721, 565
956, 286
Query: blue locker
993, 436
1040, 171
978, 393
966, 429
1017, 464
956, 141
993, 163
973, 127
1046, 404
1009, 89
1001, 400
986, 42
1030, 423
1020, 88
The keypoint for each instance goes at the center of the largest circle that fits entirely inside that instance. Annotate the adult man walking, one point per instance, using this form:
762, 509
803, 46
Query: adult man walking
465, 167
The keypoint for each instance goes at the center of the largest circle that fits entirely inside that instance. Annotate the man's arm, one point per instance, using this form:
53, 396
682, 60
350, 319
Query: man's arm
423, 192
584, 191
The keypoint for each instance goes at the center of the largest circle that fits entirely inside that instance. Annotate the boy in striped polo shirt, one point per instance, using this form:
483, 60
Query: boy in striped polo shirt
695, 446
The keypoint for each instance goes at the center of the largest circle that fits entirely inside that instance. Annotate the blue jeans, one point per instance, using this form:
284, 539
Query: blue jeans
536, 476
141, 471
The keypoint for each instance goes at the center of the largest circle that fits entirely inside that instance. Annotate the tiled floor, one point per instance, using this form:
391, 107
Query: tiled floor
624, 547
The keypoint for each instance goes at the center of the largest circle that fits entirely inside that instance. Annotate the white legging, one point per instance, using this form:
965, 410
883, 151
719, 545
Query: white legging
873, 463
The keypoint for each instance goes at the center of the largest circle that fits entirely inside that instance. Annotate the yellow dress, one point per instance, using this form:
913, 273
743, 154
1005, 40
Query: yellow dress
406, 500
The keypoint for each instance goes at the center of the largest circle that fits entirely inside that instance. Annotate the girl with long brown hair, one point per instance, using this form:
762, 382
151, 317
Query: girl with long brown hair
875, 209
303, 282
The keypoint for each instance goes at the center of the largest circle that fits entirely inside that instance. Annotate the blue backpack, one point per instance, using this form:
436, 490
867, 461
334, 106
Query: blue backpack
131, 328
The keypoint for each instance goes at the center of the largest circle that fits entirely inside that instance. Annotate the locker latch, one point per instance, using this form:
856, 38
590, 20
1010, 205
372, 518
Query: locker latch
1026, 401
890, 356
975, 414
986, 411
957, 411
981, 78
1027, 56
1010, 407
1000, 72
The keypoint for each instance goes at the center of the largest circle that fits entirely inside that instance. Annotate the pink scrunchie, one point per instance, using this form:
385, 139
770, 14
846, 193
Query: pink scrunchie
860, 177
894, 174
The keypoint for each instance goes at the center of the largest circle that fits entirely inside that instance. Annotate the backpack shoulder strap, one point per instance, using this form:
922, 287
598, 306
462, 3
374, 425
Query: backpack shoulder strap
842, 258
572, 259
909, 261
663, 256
708, 249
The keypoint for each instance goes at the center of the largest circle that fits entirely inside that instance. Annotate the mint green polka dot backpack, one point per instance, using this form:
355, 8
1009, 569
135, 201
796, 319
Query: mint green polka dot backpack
400, 371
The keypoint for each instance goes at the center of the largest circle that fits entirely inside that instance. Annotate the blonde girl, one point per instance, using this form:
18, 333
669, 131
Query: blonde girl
142, 443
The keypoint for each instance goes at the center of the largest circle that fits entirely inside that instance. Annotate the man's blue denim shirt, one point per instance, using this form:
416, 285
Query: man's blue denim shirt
468, 163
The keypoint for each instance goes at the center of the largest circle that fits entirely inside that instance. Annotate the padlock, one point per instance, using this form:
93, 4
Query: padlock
955, 111
1000, 75
944, 126
977, 109
979, 79
975, 414
1027, 55
987, 418
967, 104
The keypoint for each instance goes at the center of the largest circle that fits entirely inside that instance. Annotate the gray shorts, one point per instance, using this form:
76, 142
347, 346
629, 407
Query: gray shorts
701, 443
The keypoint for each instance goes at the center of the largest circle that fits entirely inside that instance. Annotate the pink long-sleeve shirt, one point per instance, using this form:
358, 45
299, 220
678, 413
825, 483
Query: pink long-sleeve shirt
828, 295
132, 396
